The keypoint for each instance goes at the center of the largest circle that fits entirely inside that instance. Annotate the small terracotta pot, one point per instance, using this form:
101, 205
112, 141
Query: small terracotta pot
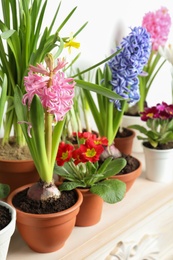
90, 210
17, 173
46, 233
125, 144
129, 178
128, 120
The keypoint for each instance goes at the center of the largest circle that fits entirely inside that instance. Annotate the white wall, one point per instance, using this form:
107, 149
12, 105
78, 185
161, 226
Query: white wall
99, 36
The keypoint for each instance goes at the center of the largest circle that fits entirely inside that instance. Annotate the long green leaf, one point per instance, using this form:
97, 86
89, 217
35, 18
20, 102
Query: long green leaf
3, 98
21, 112
37, 121
57, 132
98, 89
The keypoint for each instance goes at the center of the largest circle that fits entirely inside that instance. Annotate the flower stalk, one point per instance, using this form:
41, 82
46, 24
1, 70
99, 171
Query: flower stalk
120, 75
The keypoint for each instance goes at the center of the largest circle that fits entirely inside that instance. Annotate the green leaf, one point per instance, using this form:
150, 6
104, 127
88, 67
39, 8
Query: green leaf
112, 168
166, 137
140, 128
4, 190
37, 122
70, 185
7, 34
104, 165
21, 111
115, 166
98, 89
63, 171
3, 98
111, 191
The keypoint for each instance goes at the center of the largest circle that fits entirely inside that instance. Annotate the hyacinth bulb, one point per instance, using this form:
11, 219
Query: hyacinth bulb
43, 191
110, 151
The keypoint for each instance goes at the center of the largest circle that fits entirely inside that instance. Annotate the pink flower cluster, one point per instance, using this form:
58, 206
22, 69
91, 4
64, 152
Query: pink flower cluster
56, 92
158, 25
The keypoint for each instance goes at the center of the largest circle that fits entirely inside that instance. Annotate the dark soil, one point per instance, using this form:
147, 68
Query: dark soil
5, 217
160, 146
124, 132
22, 202
132, 164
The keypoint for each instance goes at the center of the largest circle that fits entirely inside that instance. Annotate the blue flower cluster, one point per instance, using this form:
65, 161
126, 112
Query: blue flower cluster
129, 63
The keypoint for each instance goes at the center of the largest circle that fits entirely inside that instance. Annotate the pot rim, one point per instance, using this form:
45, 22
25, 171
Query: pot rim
44, 216
156, 150
13, 217
131, 173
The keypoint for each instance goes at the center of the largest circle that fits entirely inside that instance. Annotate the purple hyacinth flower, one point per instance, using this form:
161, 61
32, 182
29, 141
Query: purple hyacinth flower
129, 63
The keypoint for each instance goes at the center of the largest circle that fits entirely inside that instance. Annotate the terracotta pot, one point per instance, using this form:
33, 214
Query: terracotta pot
7, 232
134, 120
46, 233
129, 178
125, 144
90, 210
17, 173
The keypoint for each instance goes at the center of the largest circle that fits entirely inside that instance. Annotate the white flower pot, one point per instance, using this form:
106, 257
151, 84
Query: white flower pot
159, 166
134, 120
7, 232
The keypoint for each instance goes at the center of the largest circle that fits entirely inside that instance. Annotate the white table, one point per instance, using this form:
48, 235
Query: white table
142, 221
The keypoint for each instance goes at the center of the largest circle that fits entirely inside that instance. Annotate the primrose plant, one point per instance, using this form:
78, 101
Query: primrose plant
88, 165
159, 125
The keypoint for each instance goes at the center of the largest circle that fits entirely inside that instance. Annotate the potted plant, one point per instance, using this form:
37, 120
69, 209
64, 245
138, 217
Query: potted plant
7, 221
41, 113
158, 25
157, 141
83, 165
120, 74
23, 41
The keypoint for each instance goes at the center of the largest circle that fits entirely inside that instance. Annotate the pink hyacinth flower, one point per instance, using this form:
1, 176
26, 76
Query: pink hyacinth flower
158, 25
56, 97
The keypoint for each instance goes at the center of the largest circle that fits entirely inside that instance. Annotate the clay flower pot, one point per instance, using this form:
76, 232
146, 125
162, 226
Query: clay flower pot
134, 120
129, 178
90, 210
46, 233
125, 143
7, 232
17, 173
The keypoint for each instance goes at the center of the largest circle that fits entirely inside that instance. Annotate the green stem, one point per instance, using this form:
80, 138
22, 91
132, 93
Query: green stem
117, 119
109, 119
57, 132
48, 134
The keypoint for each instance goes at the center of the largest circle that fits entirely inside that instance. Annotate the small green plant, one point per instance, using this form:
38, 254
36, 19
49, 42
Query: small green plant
159, 125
